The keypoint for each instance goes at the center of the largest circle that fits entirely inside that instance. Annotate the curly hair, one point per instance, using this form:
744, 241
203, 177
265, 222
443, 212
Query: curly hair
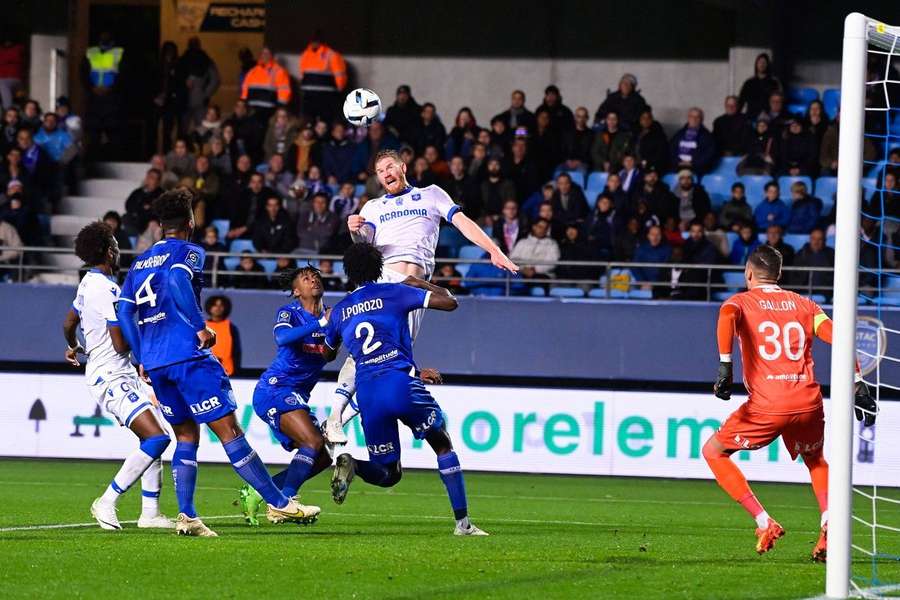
363, 263
173, 208
286, 279
213, 299
93, 242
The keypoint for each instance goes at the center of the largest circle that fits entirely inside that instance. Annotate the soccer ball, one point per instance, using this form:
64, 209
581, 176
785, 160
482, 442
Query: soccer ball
362, 107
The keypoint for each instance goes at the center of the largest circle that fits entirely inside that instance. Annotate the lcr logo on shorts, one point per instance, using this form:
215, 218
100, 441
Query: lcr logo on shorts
205, 406
380, 448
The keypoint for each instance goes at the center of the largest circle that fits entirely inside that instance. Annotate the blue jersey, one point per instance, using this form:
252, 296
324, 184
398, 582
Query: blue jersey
300, 364
168, 336
372, 322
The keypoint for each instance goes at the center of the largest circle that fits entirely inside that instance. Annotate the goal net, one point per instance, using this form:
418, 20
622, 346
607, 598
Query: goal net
864, 492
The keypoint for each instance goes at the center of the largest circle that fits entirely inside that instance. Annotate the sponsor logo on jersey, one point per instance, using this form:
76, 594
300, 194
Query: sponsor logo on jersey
871, 343
376, 449
406, 212
382, 357
416, 197
206, 405
151, 261
160, 316
166, 410
273, 380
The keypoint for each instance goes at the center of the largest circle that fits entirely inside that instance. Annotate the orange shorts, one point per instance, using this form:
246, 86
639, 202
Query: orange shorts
803, 433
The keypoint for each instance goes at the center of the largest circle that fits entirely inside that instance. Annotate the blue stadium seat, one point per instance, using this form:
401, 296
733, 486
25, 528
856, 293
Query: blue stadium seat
487, 291
577, 176
566, 292
870, 186
754, 188
734, 280
721, 296
489, 288
890, 293
596, 181
597, 293
360, 189
463, 268
231, 263
829, 241
641, 294
798, 99
268, 264
826, 191
538, 292
450, 240
133, 239
338, 267
831, 99
728, 166
719, 188
671, 180
796, 240
242, 245
818, 298
222, 226
785, 183
471, 252
732, 238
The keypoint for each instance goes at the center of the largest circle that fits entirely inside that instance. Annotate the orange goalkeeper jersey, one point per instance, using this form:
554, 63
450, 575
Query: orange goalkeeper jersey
775, 329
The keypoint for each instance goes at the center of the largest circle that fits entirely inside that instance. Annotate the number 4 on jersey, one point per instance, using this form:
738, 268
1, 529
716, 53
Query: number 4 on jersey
145, 293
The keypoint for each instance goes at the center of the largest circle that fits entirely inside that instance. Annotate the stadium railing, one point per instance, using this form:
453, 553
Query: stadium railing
615, 279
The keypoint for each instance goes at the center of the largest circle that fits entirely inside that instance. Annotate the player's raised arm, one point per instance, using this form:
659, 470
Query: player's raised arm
477, 236
728, 317
70, 323
438, 299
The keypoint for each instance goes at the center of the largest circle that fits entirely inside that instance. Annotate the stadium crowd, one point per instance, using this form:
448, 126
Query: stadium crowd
549, 184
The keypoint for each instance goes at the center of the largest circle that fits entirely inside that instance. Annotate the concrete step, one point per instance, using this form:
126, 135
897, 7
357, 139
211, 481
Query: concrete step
68, 225
131, 171
91, 206
108, 188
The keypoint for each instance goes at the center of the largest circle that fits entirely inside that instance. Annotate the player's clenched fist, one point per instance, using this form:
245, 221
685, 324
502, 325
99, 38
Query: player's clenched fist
722, 386
355, 223
207, 338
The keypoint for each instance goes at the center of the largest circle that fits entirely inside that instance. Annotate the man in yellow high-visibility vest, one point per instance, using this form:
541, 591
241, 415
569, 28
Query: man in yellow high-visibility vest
101, 75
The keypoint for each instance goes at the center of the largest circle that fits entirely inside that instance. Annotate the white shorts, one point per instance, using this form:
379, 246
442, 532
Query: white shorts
389, 275
125, 397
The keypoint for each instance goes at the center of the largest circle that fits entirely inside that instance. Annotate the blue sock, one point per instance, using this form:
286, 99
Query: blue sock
184, 474
251, 469
372, 472
452, 476
279, 478
299, 471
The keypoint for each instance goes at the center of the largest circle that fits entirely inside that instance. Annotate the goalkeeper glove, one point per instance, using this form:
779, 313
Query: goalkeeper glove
722, 386
864, 405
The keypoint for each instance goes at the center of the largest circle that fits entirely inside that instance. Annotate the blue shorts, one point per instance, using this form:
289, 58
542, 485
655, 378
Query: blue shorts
194, 389
272, 401
390, 397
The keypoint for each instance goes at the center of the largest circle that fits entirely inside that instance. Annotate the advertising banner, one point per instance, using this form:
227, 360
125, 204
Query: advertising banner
584, 432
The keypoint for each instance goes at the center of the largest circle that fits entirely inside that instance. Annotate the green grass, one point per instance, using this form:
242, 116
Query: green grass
551, 537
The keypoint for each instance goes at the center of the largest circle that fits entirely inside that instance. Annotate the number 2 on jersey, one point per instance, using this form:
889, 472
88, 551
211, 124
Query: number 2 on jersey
367, 347
774, 335
145, 293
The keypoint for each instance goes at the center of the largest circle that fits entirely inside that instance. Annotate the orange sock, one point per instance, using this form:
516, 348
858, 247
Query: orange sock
818, 473
730, 479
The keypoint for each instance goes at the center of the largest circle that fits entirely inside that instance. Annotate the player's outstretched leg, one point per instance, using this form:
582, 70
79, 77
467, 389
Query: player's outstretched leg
730, 479
346, 468
346, 387
153, 443
452, 476
818, 474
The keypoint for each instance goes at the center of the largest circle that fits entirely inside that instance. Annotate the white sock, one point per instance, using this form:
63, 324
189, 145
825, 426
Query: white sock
762, 520
824, 519
463, 523
136, 463
151, 483
345, 389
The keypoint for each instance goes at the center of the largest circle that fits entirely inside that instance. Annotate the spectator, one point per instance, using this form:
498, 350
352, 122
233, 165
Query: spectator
816, 254
209, 189
277, 178
772, 211
220, 157
463, 135
775, 239
463, 189
273, 232
152, 234
11, 124
200, 78
693, 201
798, 152
574, 248
715, 234
448, 277
777, 114
816, 123
228, 339
12, 63
533, 203
250, 274
746, 243
521, 170
101, 72
495, 189
546, 148
731, 130
653, 249
12, 169
169, 179
243, 170
284, 267
626, 102
304, 151
317, 226
610, 145
577, 144
672, 233
517, 117
15, 211
736, 210
266, 87
431, 131
41, 172
209, 126
114, 221
337, 154
180, 160
314, 184
344, 203
402, 118
501, 138
756, 91
421, 175
659, 198
537, 247
168, 97
9, 237
630, 175
477, 163
886, 202
56, 142
31, 115
693, 147
561, 117
806, 210
627, 241
646, 218
557, 229
331, 282
248, 130
569, 203
323, 76
602, 227
509, 227
698, 251
437, 165
280, 134
248, 206
762, 155
376, 139
211, 243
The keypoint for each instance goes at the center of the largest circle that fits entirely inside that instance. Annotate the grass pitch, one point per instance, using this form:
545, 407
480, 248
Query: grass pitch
551, 537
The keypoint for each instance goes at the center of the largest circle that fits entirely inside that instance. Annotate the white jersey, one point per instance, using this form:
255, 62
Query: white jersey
95, 305
407, 225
